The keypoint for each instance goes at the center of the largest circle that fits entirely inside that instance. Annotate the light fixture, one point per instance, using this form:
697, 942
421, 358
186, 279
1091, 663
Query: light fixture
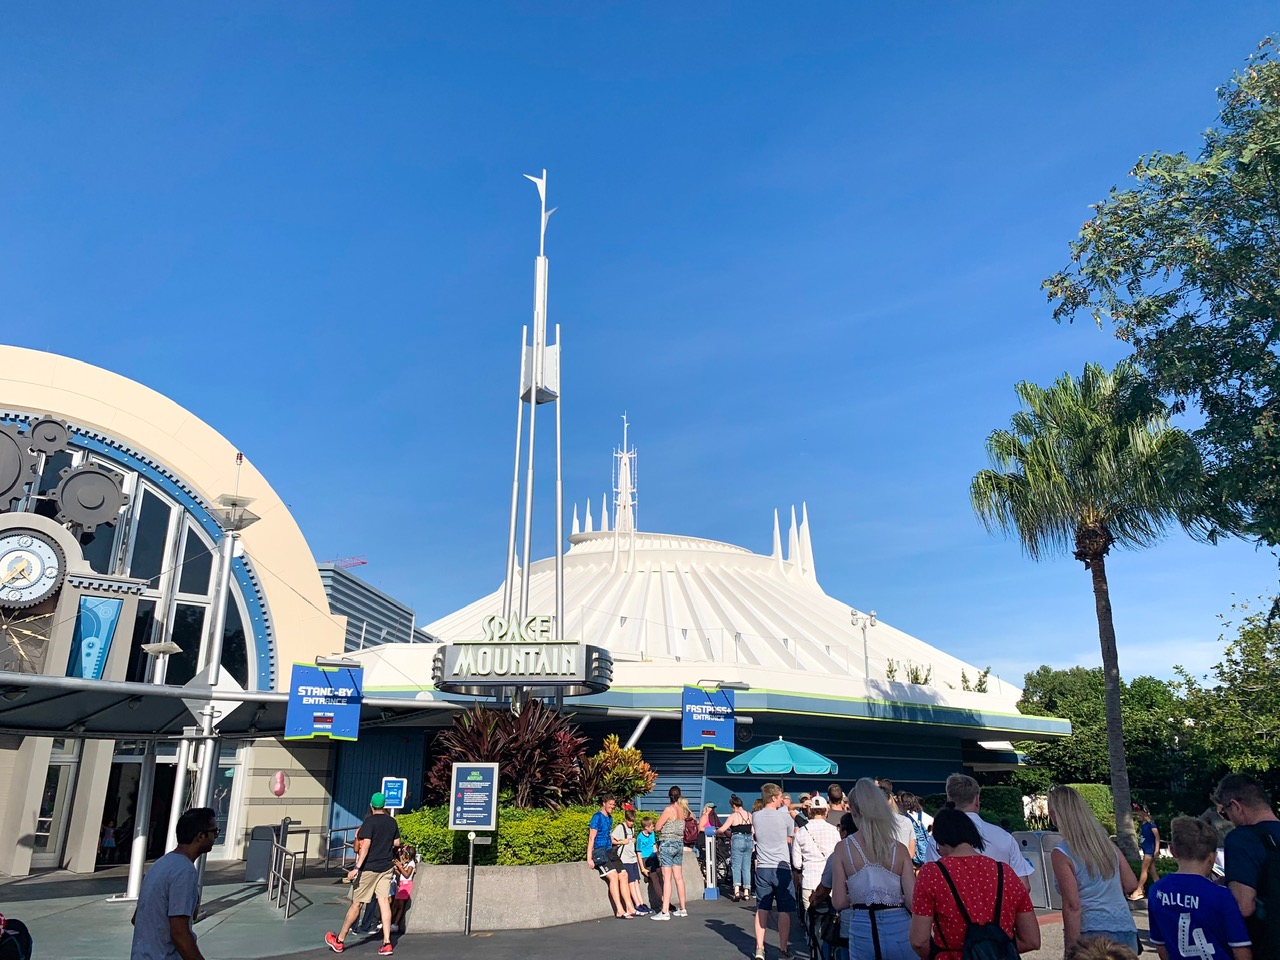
165, 648
726, 684
134, 703
77, 728
338, 663
13, 694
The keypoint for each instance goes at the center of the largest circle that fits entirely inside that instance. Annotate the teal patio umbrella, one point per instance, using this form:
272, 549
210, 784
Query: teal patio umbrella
779, 757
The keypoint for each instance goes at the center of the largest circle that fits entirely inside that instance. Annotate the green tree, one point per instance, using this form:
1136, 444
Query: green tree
1234, 717
1087, 464
1183, 265
1150, 711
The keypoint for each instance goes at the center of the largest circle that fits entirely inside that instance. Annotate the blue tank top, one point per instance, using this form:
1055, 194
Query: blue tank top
1103, 906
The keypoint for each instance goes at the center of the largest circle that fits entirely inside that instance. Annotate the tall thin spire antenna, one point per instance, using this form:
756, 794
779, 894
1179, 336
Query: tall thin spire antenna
624, 487
539, 384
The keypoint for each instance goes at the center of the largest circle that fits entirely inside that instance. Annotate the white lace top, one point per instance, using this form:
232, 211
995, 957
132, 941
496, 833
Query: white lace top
873, 884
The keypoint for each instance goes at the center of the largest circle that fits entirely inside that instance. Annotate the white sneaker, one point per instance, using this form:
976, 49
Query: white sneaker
679, 913
659, 916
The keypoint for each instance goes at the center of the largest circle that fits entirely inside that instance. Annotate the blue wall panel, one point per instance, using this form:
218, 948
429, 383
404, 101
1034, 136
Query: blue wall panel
359, 768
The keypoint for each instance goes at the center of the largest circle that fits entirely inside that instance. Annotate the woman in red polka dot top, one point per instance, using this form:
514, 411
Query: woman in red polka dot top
937, 924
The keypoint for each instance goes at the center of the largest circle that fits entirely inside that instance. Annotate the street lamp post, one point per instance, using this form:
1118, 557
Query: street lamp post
864, 620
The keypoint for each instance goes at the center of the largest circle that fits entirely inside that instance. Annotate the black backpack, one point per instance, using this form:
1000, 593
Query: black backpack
15, 939
984, 941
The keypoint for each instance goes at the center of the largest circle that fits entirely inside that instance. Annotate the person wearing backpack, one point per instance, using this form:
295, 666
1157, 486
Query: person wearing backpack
912, 809
1092, 875
967, 906
1252, 854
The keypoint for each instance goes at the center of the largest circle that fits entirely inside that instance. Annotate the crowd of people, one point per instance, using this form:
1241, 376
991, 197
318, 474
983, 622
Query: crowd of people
872, 876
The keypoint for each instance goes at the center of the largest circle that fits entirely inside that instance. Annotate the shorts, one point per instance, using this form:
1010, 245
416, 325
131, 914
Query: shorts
370, 885
775, 883
405, 890
651, 864
671, 853
633, 872
606, 860
1128, 938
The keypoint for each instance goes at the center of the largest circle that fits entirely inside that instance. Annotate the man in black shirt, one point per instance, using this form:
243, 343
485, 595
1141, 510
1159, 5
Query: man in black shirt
376, 843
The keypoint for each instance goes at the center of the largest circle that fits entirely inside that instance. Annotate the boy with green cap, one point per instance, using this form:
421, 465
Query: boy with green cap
376, 843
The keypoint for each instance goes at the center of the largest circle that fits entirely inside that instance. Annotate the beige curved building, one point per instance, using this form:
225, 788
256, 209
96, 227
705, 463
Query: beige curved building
127, 483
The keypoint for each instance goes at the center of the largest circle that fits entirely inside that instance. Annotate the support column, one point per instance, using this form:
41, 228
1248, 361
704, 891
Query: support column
141, 825
176, 804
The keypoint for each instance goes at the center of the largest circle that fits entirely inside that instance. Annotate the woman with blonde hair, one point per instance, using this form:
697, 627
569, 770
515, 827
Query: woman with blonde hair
873, 880
1092, 875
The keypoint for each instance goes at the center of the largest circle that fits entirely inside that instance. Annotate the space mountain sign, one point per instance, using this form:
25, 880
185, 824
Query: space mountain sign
521, 652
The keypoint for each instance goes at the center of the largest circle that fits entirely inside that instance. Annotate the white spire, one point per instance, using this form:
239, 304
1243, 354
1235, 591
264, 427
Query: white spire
604, 514
588, 528
576, 531
793, 542
624, 484
806, 544
777, 541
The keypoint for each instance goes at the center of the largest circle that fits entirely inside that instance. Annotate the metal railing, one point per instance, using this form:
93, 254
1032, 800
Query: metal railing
340, 842
280, 880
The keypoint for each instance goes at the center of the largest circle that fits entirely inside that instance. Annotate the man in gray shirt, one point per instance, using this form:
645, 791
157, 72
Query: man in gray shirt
169, 900
774, 830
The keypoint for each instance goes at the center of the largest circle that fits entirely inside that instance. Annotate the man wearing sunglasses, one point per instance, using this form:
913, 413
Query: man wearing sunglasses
1251, 851
169, 901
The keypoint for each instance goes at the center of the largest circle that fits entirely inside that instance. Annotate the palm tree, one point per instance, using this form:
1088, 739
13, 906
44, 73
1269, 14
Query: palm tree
1085, 465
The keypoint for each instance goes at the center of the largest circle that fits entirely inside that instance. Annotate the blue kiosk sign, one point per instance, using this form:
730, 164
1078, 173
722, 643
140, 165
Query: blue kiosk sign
473, 798
324, 702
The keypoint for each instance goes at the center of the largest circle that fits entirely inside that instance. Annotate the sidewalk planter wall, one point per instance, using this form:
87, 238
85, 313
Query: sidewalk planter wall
519, 898
525, 837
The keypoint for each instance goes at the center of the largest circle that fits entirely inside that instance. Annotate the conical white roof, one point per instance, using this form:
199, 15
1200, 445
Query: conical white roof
654, 599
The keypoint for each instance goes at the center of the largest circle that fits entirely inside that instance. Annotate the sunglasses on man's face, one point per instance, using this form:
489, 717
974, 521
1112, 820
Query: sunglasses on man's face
1224, 809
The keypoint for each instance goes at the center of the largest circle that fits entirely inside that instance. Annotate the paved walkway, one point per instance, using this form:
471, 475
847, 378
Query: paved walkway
71, 920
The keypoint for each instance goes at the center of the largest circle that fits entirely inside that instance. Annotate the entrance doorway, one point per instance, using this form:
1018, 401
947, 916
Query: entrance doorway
55, 804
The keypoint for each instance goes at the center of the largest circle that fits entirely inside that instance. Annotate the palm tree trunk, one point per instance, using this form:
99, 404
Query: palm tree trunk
1115, 727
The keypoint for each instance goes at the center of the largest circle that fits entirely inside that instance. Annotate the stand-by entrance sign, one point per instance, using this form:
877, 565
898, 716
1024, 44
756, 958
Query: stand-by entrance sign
473, 797
393, 791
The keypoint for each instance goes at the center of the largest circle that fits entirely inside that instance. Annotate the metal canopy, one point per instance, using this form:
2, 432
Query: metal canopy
38, 705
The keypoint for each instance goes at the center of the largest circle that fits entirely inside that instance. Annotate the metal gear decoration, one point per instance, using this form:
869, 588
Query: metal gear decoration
89, 495
49, 435
17, 464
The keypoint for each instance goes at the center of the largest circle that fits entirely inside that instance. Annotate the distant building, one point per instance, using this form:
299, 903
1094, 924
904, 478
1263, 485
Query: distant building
372, 617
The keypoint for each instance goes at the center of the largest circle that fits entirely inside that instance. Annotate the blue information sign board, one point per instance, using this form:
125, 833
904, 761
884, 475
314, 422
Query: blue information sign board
393, 791
473, 799
707, 720
324, 702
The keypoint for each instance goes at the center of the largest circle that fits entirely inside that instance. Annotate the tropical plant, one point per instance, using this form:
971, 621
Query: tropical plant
918, 673
978, 685
620, 771
1088, 464
1183, 266
541, 756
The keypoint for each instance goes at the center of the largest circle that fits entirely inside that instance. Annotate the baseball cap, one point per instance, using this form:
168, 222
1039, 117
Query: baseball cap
816, 802
377, 801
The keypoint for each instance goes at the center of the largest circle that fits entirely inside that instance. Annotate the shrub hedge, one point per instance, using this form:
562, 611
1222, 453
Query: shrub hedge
1098, 797
524, 837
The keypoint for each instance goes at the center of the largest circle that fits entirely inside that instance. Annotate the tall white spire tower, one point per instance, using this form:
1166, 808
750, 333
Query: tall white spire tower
539, 384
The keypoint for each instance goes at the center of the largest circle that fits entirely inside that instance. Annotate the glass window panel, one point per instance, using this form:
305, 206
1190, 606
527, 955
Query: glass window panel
222, 786
149, 539
197, 565
100, 548
188, 627
144, 622
51, 475
235, 652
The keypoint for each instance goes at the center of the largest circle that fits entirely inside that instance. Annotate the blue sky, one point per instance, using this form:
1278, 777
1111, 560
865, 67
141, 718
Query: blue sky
801, 247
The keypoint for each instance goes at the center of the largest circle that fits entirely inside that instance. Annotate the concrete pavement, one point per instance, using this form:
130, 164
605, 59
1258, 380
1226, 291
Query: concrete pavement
72, 920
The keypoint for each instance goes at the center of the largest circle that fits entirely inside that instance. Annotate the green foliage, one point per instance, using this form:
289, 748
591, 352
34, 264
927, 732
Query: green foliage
542, 755
1098, 797
917, 673
1003, 806
620, 771
525, 837
1183, 266
1234, 718
976, 686
891, 670
933, 802
1157, 759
